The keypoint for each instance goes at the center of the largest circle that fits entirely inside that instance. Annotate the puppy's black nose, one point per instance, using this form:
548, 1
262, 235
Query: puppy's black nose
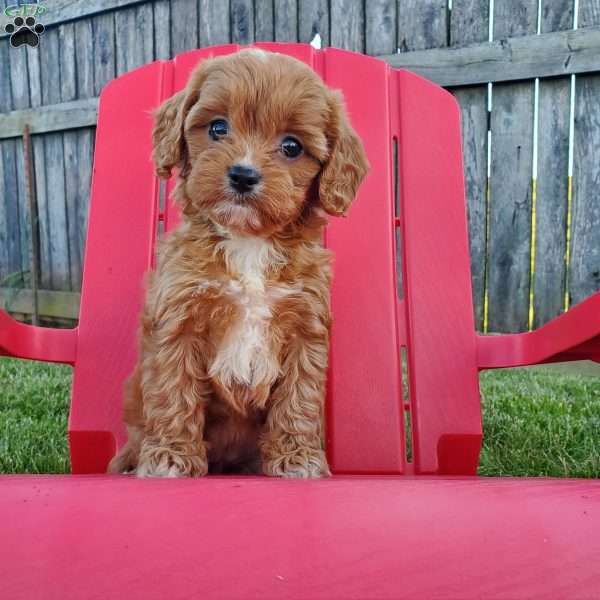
243, 179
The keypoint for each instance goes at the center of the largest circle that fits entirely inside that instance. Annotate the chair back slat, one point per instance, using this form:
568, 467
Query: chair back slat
442, 361
119, 249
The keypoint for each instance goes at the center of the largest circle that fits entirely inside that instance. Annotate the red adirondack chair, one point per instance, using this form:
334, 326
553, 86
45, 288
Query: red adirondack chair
382, 526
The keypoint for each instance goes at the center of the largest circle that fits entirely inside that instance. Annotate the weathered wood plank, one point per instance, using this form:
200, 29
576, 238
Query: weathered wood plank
348, 25
78, 162
134, 37
39, 170
469, 24
57, 216
242, 21
86, 153
510, 184
35, 77
422, 24
381, 23
214, 23
5, 93
52, 117
144, 23
557, 15
547, 55
11, 206
510, 208
72, 186
184, 25
552, 181
84, 59
68, 75
19, 84
105, 64
4, 222
474, 120
589, 13
286, 20
313, 18
264, 21
584, 270
19, 77
514, 18
24, 211
67, 203
124, 39
55, 169
162, 29
51, 303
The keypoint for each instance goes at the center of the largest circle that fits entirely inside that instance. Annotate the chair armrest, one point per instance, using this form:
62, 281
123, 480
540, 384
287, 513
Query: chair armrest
574, 335
36, 343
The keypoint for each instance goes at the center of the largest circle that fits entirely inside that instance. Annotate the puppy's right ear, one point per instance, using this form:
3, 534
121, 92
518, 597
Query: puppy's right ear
167, 135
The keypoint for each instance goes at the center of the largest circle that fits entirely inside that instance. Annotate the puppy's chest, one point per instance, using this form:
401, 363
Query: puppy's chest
244, 351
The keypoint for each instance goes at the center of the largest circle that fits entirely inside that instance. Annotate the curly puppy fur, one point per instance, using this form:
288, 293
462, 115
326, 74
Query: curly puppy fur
234, 336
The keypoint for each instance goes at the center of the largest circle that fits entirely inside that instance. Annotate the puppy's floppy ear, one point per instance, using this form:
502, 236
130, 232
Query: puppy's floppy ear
169, 149
346, 164
167, 135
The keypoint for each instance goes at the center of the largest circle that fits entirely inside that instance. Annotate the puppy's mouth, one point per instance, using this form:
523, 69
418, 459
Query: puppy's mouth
239, 211
245, 199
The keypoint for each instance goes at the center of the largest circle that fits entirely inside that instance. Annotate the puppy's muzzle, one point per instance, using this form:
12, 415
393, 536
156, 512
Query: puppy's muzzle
243, 179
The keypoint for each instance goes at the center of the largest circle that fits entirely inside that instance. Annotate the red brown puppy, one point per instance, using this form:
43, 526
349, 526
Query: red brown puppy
234, 337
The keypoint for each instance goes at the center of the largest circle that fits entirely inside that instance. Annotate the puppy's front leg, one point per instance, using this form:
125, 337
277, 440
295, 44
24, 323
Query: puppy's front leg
175, 391
292, 444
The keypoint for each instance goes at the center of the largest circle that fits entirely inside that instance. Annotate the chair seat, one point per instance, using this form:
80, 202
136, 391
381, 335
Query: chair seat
346, 537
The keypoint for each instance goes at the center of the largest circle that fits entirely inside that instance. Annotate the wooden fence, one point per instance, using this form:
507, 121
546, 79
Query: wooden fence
535, 242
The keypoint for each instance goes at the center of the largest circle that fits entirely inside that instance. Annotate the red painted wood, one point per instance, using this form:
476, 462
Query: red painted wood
574, 335
443, 378
119, 248
36, 343
365, 425
349, 537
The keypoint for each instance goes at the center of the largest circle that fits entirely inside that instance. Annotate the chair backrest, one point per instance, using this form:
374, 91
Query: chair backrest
411, 132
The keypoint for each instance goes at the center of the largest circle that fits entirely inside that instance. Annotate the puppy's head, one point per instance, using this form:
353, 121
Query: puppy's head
258, 139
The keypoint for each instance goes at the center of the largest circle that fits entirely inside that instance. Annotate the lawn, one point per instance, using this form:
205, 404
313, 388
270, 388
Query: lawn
535, 422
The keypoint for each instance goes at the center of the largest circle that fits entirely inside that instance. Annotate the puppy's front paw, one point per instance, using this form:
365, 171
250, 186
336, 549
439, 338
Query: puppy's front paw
302, 464
162, 463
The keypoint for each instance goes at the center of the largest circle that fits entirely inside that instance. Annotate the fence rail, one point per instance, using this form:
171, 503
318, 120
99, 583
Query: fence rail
535, 239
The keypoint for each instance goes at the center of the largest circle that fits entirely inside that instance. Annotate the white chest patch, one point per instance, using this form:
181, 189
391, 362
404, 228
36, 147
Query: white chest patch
244, 355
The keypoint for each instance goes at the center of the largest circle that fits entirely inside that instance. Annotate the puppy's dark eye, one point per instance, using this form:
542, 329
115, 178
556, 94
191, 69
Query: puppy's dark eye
291, 147
218, 128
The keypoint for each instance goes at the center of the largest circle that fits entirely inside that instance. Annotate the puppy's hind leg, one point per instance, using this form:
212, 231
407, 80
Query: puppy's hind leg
126, 460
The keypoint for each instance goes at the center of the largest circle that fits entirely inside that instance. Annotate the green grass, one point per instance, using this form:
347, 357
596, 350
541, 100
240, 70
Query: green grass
34, 403
535, 422
540, 423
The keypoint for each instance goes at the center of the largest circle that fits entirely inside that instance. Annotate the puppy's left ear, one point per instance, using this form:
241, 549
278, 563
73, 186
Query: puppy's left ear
347, 163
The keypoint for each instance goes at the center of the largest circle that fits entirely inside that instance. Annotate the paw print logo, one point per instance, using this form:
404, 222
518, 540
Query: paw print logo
24, 31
